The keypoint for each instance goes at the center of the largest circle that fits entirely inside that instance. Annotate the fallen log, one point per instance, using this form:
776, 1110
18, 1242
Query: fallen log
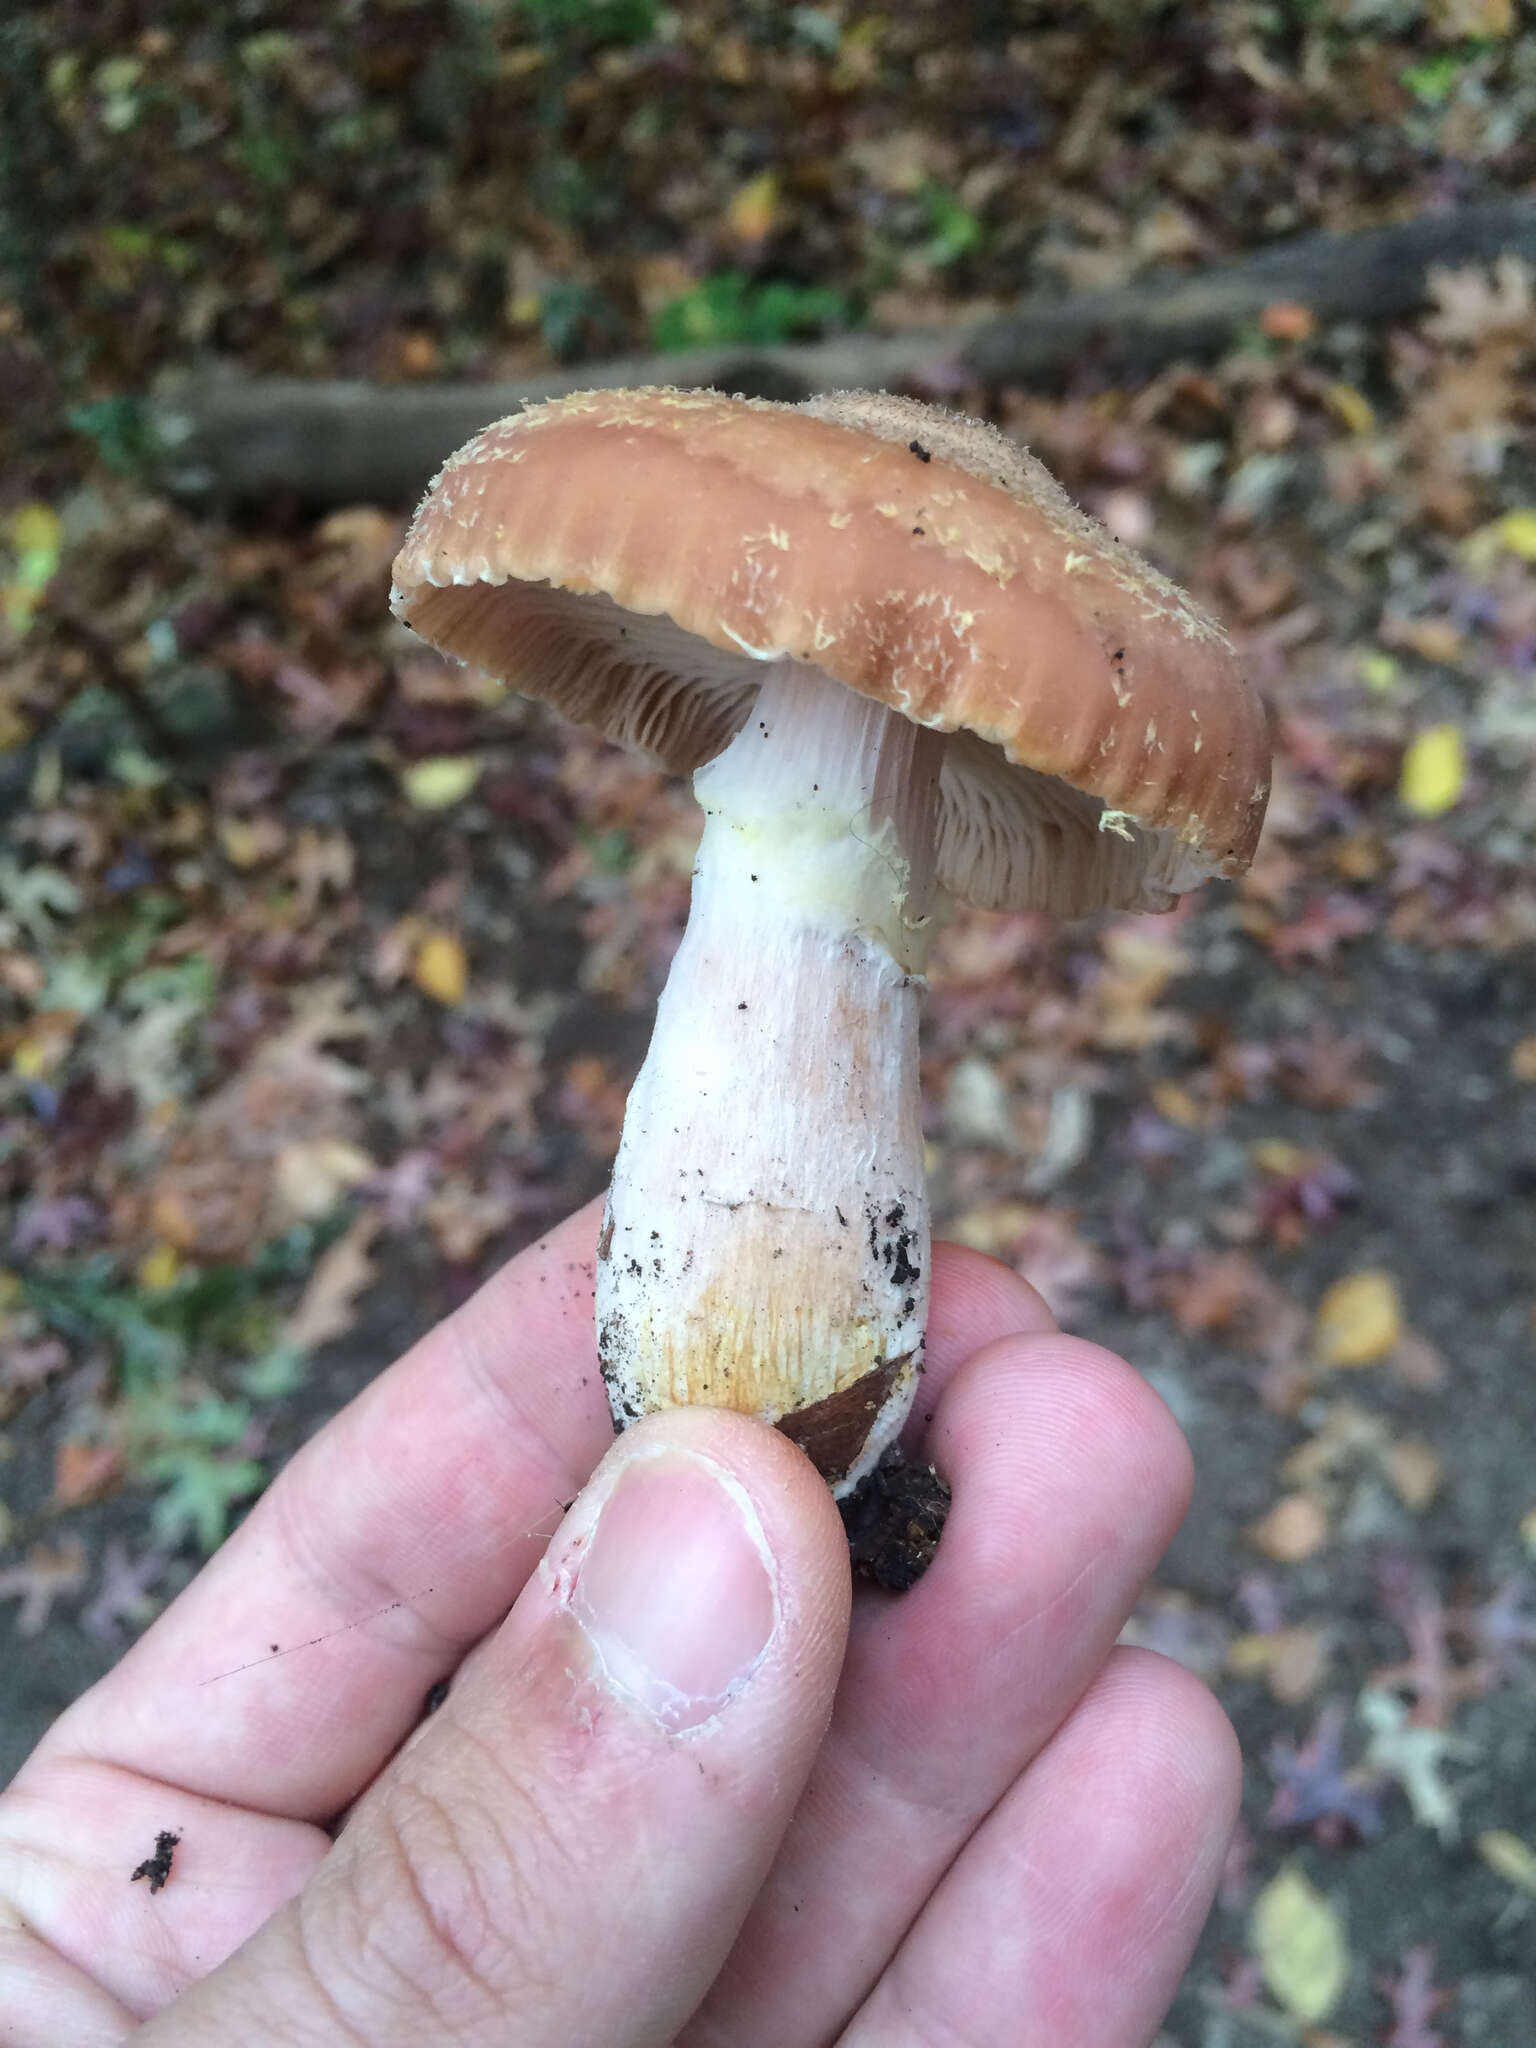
331, 443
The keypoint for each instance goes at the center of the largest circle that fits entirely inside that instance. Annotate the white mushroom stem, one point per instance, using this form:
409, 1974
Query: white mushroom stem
766, 1242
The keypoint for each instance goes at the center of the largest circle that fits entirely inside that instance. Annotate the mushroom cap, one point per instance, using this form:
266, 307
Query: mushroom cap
632, 556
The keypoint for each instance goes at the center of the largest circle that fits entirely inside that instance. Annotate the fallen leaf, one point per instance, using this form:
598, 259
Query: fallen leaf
1474, 300
328, 1306
1436, 638
35, 534
1359, 1319
1415, 1756
1413, 1472
1291, 1661
442, 781
1285, 320
209, 1208
1509, 1857
750, 215
1342, 1435
440, 968
1517, 532
1350, 407
124, 1599
45, 1044
159, 1267
1172, 1100
1434, 772
1456, 19
1296, 1527
1415, 2000
1298, 1939
43, 1577
84, 1472
247, 842
1522, 1061
25, 1365
312, 1174
1417, 1363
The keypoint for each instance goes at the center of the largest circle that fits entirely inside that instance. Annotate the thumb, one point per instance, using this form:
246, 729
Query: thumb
565, 1852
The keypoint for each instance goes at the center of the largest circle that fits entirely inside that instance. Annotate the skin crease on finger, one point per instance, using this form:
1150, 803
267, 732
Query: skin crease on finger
882, 1698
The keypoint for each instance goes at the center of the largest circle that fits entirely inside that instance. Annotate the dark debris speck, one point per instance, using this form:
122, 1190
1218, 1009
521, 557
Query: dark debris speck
157, 1868
894, 1520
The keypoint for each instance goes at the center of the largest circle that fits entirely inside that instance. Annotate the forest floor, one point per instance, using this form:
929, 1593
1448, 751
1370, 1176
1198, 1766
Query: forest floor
325, 966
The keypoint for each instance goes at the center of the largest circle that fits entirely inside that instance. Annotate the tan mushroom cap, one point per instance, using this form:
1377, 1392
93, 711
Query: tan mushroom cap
633, 556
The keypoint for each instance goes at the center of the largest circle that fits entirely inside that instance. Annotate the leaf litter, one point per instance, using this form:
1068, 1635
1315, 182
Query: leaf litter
324, 968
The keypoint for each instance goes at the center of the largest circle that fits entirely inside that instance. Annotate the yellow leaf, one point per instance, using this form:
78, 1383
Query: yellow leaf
436, 784
1351, 407
1174, 1101
159, 1267
312, 1174
1278, 1156
36, 536
1248, 1656
1522, 1061
1517, 530
440, 969
247, 842
1413, 1472
1455, 19
750, 214
1299, 1942
1510, 1858
1434, 771
1295, 1527
48, 1040
1359, 1319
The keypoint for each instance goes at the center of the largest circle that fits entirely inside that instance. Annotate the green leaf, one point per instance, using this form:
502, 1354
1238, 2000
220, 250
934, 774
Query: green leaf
75, 983
1433, 82
591, 21
728, 308
36, 895
199, 1491
192, 980
954, 231
121, 431
281, 1372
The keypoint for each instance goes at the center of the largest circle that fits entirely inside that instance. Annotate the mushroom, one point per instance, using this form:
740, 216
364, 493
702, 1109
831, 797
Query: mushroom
901, 666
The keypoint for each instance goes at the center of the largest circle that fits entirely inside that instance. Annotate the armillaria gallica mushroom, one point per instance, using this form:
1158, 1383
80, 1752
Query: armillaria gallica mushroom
902, 666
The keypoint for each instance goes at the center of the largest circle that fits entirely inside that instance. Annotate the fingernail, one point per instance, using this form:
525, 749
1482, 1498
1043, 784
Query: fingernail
676, 1589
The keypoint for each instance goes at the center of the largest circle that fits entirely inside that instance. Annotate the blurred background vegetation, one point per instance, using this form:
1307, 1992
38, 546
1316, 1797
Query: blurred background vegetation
324, 967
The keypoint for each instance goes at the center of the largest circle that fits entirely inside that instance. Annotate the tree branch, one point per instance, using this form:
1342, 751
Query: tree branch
341, 443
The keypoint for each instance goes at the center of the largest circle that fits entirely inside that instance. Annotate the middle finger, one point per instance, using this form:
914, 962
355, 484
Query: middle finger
1070, 1477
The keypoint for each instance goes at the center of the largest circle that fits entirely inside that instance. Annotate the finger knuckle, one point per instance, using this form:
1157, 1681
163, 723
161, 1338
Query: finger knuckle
457, 1894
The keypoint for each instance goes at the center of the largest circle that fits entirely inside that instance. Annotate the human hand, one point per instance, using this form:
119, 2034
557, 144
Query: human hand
677, 1793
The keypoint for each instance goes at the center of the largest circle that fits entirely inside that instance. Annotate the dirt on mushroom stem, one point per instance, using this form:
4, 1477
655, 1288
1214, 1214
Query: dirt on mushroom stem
766, 1242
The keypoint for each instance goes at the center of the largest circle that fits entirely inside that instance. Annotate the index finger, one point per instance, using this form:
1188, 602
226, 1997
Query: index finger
300, 1656
297, 1661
